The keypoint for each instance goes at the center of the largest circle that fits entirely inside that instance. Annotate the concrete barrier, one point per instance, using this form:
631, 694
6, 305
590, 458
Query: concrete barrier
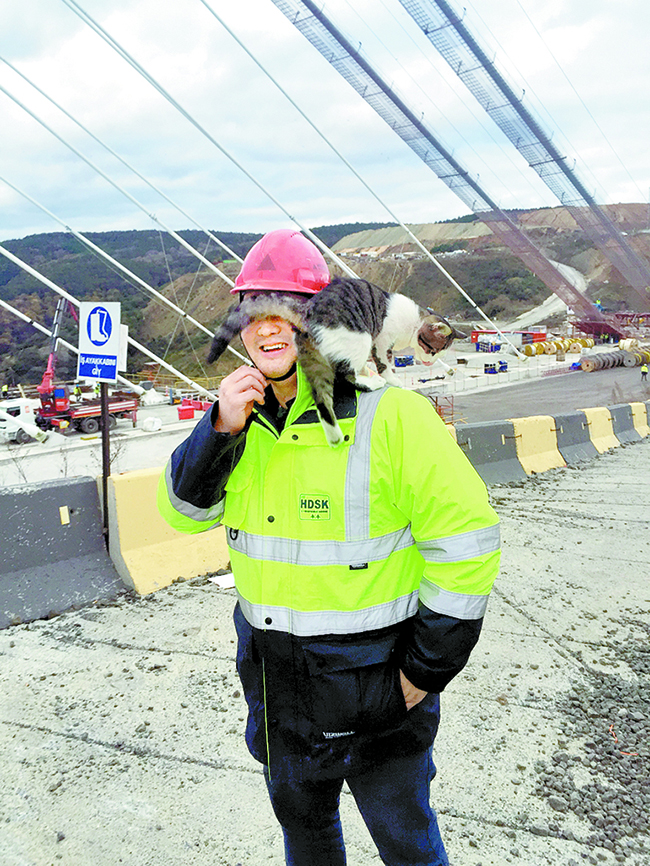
490, 447
53, 552
536, 444
573, 441
640, 417
623, 423
601, 431
148, 554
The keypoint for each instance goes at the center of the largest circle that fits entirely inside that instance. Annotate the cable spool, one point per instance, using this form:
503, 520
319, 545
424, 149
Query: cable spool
530, 349
608, 360
588, 365
575, 348
539, 348
629, 359
550, 348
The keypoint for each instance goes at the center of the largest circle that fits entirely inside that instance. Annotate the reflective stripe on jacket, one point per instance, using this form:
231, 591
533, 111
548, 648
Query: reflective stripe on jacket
334, 541
351, 564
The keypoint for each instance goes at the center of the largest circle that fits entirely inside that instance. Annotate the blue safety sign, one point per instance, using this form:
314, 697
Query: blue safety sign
99, 326
102, 367
99, 341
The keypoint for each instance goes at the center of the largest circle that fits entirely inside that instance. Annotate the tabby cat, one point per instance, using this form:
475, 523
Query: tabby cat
337, 330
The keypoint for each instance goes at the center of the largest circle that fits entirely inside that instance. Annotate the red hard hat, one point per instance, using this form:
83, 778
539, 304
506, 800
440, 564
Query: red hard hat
283, 261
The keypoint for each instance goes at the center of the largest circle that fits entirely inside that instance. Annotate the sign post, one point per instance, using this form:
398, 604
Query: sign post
99, 350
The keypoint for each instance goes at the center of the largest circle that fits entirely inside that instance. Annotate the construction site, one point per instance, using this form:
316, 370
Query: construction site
123, 738
122, 720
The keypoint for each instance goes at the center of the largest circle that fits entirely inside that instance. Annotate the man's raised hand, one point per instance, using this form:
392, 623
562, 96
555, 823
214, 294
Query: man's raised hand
237, 394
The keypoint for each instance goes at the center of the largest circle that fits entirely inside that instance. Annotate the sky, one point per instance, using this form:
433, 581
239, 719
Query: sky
583, 64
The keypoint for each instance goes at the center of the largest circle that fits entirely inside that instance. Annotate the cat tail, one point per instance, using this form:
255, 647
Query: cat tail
235, 320
320, 375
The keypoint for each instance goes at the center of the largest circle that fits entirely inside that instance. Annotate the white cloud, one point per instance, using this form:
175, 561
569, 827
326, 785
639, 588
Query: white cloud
599, 45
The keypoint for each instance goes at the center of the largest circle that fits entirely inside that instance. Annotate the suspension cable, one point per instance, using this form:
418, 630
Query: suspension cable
322, 135
81, 13
47, 282
124, 162
87, 242
124, 192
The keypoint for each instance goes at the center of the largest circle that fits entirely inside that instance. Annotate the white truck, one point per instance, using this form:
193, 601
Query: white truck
18, 421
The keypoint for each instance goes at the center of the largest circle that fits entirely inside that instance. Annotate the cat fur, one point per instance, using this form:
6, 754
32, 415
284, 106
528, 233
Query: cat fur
337, 330
257, 306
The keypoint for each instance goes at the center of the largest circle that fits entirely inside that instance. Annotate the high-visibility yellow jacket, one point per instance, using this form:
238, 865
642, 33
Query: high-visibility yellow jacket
379, 554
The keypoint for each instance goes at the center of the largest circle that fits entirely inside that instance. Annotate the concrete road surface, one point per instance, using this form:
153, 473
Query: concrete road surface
121, 726
553, 395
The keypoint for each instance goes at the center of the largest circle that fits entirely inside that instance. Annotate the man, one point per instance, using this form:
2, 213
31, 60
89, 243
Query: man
644, 372
362, 573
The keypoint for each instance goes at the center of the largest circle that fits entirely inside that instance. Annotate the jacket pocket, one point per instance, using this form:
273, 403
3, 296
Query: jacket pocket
239, 489
354, 689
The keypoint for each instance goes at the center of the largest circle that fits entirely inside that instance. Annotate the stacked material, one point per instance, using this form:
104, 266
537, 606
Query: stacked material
619, 358
559, 346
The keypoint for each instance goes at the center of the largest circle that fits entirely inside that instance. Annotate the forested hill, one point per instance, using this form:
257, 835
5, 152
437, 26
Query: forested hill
154, 256
491, 275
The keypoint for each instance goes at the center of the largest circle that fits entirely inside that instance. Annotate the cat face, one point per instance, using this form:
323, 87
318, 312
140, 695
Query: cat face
434, 335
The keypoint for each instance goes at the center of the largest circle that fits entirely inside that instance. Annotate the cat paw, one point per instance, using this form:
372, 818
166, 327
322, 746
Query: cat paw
392, 379
371, 383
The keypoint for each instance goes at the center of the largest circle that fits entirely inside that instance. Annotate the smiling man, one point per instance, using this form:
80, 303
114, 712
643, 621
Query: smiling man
362, 574
269, 344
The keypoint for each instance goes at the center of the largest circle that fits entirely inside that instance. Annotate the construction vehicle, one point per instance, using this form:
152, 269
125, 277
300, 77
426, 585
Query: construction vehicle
18, 421
55, 409
58, 412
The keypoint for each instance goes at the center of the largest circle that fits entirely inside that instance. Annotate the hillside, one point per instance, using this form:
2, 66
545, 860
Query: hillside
492, 276
151, 255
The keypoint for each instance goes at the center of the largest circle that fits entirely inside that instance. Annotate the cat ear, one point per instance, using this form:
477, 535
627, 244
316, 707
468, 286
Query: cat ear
435, 336
454, 333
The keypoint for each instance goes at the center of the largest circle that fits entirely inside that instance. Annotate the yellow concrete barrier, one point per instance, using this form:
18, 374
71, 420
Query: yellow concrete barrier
536, 442
601, 431
640, 419
147, 553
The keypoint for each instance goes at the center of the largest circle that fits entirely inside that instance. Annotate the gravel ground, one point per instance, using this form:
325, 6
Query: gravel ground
121, 726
